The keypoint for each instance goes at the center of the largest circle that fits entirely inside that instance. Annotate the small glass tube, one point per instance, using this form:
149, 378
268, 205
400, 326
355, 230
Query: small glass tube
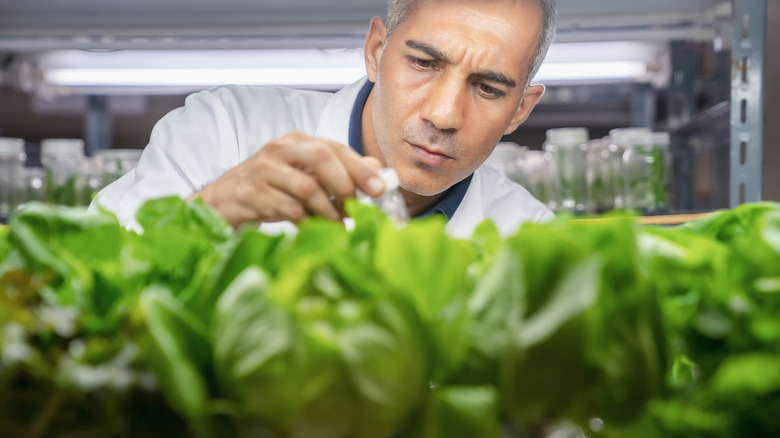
63, 160
390, 202
568, 149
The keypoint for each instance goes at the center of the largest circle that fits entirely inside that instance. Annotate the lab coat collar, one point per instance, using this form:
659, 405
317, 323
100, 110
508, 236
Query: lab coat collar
334, 122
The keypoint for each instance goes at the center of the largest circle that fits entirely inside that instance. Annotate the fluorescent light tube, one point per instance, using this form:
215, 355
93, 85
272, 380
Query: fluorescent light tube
202, 77
591, 71
176, 71
302, 76
183, 71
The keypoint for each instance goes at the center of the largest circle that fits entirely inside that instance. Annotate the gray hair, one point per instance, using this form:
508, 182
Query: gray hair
399, 11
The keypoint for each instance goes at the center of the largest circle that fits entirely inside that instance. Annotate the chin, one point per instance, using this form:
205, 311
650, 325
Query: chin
425, 189
422, 180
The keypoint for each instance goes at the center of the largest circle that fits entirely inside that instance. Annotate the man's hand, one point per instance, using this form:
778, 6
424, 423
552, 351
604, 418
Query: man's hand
291, 178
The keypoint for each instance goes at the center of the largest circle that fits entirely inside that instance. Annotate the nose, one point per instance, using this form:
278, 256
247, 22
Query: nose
445, 104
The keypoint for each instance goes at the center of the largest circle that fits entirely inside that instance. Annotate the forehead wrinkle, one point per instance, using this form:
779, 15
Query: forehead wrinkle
488, 26
454, 46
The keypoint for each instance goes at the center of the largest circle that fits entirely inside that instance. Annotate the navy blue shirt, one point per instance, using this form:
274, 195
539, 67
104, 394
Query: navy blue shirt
452, 197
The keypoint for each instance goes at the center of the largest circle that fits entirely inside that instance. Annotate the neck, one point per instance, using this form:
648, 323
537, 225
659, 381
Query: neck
416, 204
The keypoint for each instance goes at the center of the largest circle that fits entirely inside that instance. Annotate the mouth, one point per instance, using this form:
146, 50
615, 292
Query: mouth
429, 156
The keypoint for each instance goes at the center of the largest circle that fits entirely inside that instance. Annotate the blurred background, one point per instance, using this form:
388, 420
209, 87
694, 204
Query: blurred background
701, 71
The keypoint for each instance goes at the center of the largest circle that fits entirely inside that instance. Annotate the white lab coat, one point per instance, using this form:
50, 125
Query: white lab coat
216, 129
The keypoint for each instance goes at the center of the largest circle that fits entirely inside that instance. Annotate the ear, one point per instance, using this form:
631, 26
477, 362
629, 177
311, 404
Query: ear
533, 94
372, 51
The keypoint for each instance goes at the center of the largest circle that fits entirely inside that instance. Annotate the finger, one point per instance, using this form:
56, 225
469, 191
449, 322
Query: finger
234, 213
242, 201
372, 163
266, 203
321, 205
276, 205
304, 188
363, 171
338, 168
324, 159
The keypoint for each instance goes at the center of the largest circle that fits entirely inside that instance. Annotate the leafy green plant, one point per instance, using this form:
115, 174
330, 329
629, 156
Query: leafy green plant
193, 329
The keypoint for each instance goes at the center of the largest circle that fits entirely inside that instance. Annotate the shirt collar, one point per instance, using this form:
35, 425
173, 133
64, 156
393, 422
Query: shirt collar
448, 203
356, 118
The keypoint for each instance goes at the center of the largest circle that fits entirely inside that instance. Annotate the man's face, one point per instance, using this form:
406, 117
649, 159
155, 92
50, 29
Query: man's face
449, 84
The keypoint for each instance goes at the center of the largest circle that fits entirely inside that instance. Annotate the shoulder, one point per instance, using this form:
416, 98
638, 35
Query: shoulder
492, 195
501, 194
246, 98
254, 115
239, 106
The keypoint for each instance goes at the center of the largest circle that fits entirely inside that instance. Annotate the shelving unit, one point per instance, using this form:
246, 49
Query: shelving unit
729, 132
747, 101
735, 25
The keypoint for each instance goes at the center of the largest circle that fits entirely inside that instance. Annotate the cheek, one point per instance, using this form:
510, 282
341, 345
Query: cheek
483, 135
402, 89
386, 123
393, 108
399, 101
385, 109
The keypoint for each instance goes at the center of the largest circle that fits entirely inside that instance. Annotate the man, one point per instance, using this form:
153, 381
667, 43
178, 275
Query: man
446, 79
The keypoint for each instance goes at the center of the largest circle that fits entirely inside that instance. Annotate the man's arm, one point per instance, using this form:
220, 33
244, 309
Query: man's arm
197, 151
291, 178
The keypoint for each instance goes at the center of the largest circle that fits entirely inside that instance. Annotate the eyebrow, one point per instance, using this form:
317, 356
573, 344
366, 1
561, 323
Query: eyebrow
492, 76
428, 49
487, 75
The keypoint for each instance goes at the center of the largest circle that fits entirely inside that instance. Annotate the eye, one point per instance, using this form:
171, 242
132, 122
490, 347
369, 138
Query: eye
488, 91
422, 64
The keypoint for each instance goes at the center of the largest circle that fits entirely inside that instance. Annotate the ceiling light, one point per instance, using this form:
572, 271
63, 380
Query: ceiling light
182, 71
591, 71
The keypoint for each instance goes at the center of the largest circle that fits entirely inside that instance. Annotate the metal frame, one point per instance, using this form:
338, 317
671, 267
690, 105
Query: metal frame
680, 114
747, 101
98, 124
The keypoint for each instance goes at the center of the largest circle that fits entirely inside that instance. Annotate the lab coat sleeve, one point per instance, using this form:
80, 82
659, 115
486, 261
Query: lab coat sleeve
189, 148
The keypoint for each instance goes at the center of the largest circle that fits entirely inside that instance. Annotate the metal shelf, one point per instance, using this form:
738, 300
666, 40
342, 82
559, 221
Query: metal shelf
747, 101
189, 24
96, 24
